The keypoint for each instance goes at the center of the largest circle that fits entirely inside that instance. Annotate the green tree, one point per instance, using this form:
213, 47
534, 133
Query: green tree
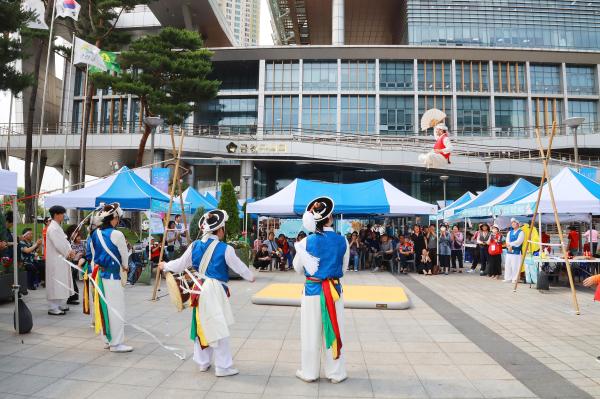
228, 203
167, 72
194, 229
13, 19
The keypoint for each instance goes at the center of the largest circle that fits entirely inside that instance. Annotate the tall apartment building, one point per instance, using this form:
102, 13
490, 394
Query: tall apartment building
243, 16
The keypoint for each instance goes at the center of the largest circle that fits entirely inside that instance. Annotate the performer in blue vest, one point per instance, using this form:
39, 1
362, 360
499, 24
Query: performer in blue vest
322, 257
211, 311
514, 246
109, 252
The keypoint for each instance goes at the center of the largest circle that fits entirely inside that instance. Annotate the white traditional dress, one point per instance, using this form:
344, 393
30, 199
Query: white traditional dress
57, 270
322, 258
514, 240
211, 313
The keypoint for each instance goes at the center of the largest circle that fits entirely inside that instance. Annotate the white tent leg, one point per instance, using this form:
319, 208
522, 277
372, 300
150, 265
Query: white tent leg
437, 242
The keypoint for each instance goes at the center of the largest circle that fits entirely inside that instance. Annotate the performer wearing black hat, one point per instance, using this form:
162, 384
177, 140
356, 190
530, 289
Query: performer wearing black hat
57, 272
211, 312
322, 257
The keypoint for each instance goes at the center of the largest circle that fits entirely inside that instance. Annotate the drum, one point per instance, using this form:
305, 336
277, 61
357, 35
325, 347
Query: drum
180, 287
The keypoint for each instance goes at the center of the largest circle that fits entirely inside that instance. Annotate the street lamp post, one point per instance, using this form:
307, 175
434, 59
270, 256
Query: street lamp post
574, 123
246, 178
487, 173
444, 179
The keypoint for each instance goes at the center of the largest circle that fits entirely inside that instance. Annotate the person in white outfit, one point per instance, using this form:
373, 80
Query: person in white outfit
514, 247
59, 281
211, 311
322, 258
109, 252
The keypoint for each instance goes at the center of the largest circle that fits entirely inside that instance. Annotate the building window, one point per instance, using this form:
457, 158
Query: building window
511, 116
581, 80
239, 113
473, 116
396, 75
358, 75
358, 114
443, 103
545, 112
396, 115
435, 75
587, 110
236, 76
472, 76
77, 116
509, 77
282, 75
319, 75
281, 113
319, 113
78, 86
135, 122
545, 78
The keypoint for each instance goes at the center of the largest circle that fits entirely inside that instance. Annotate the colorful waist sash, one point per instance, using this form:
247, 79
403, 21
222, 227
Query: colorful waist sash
331, 329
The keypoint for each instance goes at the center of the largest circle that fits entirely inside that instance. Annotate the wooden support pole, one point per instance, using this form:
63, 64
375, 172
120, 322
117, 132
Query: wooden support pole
183, 215
173, 185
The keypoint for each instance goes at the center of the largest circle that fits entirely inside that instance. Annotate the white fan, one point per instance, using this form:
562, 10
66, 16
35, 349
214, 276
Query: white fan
431, 118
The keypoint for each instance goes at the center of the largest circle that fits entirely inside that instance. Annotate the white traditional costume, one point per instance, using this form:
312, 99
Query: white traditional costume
439, 157
211, 311
110, 255
514, 248
59, 282
322, 257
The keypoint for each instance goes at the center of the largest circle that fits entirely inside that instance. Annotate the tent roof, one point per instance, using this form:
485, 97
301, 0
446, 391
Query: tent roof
375, 197
8, 182
466, 197
211, 199
518, 189
574, 193
125, 187
196, 200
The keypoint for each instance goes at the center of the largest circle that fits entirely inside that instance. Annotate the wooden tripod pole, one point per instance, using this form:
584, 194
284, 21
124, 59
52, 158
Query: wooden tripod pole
173, 185
545, 155
174, 150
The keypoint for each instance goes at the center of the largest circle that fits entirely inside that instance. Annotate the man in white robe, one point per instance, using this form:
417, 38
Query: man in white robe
57, 270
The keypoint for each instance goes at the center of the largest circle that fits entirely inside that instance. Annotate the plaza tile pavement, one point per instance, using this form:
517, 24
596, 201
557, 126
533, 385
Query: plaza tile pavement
413, 353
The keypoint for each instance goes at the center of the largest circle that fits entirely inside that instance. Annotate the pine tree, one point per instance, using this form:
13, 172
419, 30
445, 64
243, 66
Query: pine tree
194, 229
229, 204
167, 72
13, 19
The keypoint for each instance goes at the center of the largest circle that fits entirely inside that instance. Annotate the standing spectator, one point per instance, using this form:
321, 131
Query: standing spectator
419, 243
546, 240
355, 250
78, 247
262, 259
33, 267
284, 249
457, 239
181, 232
445, 249
573, 241
431, 240
591, 236
7, 247
474, 250
372, 248
483, 240
172, 238
495, 253
406, 253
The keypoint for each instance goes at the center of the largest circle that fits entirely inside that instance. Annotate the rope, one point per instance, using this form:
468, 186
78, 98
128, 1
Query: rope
178, 352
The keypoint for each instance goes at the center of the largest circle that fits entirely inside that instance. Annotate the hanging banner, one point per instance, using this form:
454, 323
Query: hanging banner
160, 179
156, 223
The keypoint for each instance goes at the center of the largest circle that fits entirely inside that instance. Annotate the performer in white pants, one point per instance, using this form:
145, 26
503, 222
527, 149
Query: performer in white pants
110, 254
322, 257
211, 312
59, 281
514, 246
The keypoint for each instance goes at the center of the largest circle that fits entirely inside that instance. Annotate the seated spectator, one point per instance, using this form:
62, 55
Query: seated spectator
405, 254
426, 263
135, 263
354, 244
155, 246
385, 254
372, 248
273, 248
284, 249
262, 260
33, 267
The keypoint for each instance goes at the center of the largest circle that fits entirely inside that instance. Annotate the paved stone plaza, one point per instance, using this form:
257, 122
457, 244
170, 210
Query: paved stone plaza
464, 337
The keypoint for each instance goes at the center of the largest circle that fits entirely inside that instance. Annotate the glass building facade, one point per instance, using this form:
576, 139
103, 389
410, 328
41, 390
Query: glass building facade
563, 24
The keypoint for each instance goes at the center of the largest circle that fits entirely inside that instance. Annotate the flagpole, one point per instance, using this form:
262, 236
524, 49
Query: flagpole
68, 105
81, 149
39, 158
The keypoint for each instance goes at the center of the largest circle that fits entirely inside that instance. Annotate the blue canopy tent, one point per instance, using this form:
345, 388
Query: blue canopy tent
487, 195
125, 187
376, 197
196, 200
515, 191
449, 210
211, 199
